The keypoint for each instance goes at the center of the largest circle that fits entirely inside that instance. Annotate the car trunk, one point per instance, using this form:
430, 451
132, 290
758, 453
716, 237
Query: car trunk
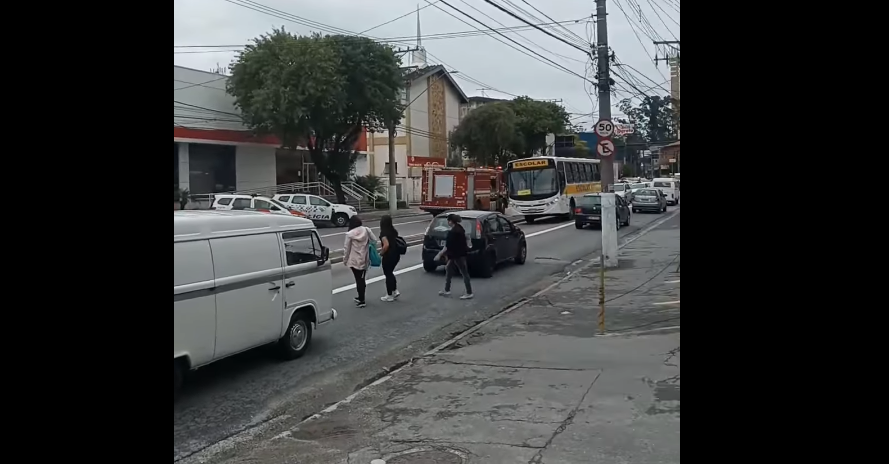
439, 228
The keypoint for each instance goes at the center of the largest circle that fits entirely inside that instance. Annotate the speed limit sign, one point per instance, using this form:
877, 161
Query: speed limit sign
604, 128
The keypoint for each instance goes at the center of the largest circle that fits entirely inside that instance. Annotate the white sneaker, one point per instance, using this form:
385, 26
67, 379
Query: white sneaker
387, 298
467, 296
444, 293
396, 294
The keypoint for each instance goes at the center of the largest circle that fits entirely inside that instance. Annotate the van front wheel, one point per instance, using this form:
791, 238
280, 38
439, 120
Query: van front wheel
298, 337
340, 220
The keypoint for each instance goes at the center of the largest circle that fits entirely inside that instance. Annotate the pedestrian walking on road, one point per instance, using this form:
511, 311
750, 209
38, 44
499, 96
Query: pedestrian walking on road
356, 255
391, 255
456, 249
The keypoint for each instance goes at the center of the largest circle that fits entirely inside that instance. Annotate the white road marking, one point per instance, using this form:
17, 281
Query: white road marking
420, 266
667, 302
672, 282
395, 224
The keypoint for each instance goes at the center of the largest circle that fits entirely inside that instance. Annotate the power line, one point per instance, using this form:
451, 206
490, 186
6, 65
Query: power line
585, 51
662, 19
396, 19
655, 3
526, 39
542, 58
571, 33
639, 39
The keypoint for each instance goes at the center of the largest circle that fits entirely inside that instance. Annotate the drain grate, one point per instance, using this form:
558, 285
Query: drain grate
426, 457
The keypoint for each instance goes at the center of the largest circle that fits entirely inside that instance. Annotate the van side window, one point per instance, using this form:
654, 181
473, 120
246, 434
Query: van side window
241, 203
298, 199
284, 199
224, 201
302, 247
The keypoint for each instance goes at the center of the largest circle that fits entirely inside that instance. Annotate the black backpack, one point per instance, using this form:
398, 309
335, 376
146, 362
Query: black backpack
401, 244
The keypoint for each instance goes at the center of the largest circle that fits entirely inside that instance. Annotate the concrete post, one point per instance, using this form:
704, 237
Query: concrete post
609, 230
183, 166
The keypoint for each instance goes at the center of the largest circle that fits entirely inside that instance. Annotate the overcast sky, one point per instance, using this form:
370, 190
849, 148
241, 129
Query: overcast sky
478, 58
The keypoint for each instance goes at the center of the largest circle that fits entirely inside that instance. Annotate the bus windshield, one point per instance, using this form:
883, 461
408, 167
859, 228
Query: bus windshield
534, 182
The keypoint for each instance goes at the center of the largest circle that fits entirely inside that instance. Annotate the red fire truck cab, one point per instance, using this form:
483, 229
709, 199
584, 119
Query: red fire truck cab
462, 188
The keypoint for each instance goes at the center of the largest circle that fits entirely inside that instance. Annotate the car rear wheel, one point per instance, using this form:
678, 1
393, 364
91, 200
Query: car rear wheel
340, 219
429, 266
578, 225
522, 255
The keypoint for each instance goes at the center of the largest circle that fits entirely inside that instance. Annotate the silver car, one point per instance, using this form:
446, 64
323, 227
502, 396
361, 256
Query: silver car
649, 199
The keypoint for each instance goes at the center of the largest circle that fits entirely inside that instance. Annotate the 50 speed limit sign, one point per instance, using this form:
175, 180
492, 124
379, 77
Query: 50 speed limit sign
604, 128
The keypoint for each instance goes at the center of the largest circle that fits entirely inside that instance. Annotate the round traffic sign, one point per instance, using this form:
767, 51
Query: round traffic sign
605, 148
604, 128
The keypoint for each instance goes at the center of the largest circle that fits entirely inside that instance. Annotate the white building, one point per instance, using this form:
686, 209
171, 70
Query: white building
435, 100
214, 152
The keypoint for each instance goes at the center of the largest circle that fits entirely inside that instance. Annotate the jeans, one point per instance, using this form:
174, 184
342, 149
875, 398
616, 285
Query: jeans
360, 284
389, 271
455, 265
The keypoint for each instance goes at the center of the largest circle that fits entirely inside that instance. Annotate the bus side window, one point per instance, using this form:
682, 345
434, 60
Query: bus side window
560, 169
597, 177
587, 177
570, 171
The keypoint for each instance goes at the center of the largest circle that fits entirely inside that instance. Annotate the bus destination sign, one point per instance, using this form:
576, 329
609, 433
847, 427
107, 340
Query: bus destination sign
538, 163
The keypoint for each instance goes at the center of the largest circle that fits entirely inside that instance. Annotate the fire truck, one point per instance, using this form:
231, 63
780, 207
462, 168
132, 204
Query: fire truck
462, 188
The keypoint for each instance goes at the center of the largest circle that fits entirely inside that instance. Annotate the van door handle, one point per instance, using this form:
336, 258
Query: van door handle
275, 288
290, 284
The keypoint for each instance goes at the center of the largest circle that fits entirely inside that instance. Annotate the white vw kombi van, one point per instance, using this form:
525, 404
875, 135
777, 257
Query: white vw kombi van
242, 279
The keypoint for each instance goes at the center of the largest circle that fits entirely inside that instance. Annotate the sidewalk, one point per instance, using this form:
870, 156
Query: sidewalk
536, 385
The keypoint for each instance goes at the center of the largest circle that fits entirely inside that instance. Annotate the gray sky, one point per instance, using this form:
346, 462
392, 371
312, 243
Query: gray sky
478, 57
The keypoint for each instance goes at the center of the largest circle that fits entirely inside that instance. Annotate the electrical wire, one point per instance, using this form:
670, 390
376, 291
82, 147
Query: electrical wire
639, 39
662, 20
541, 58
656, 4
569, 32
396, 19
585, 51
531, 42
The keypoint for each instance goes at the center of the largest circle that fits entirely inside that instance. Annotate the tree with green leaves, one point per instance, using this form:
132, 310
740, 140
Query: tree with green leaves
655, 118
536, 119
488, 134
321, 91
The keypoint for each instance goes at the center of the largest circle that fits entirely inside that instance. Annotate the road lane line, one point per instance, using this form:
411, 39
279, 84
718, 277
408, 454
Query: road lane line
667, 302
420, 266
672, 282
395, 224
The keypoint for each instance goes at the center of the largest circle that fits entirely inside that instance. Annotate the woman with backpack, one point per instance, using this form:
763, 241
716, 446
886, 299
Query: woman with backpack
391, 254
356, 255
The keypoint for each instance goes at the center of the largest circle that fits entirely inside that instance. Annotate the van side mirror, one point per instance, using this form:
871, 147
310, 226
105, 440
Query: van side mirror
325, 255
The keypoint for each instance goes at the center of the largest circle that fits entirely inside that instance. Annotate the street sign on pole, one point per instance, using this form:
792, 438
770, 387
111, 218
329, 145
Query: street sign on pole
605, 148
604, 128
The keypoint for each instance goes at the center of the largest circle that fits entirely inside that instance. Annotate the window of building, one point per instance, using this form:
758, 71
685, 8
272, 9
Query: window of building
386, 168
211, 168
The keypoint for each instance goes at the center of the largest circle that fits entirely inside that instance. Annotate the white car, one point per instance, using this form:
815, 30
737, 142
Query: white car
317, 208
620, 189
239, 202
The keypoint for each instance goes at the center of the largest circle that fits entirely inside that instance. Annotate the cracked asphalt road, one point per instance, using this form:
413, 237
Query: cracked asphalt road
233, 395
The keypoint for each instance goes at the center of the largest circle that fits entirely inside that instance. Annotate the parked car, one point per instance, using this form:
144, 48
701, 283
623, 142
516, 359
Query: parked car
318, 209
634, 188
241, 202
649, 199
495, 239
589, 211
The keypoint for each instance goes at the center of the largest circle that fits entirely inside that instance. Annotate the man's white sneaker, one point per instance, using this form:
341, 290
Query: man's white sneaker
467, 296
396, 294
387, 298
444, 293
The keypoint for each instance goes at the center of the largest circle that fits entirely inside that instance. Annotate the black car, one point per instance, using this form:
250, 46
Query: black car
495, 239
589, 211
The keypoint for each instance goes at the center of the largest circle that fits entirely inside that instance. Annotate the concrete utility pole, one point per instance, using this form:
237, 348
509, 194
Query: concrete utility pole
606, 165
393, 197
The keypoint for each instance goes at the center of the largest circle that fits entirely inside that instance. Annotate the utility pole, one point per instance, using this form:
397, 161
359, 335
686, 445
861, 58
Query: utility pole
606, 164
393, 197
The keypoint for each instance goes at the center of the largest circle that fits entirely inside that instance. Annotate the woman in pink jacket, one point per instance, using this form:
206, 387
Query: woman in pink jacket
356, 255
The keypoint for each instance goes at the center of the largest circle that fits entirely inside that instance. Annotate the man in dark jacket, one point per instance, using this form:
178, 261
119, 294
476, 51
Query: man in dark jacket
456, 250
